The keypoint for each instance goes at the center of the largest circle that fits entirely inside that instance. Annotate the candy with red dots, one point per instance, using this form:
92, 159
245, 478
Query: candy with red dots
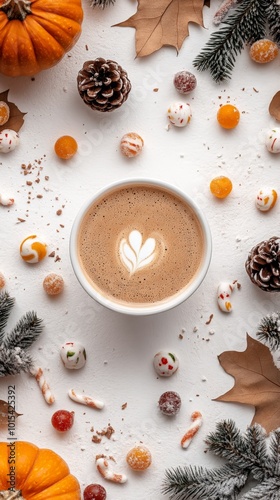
9, 140
165, 363
33, 249
266, 199
179, 114
169, 403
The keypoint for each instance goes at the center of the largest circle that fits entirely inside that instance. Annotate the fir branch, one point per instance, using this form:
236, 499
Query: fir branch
25, 332
273, 18
250, 453
245, 25
197, 482
6, 304
14, 361
101, 3
269, 330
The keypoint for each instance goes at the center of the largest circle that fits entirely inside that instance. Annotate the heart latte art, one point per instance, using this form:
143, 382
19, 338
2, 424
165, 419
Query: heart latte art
140, 244
134, 253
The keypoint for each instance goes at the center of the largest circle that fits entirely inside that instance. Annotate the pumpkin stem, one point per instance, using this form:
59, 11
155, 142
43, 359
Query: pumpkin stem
16, 9
11, 495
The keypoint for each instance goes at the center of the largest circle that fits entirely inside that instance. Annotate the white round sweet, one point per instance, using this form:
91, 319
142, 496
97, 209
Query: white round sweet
179, 114
272, 140
165, 363
266, 199
9, 140
73, 355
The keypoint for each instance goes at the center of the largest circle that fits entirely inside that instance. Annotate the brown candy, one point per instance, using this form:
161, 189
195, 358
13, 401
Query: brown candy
184, 82
169, 403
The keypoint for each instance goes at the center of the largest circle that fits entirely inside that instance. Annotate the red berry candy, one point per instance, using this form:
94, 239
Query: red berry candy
95, 492
169, 403
62, 420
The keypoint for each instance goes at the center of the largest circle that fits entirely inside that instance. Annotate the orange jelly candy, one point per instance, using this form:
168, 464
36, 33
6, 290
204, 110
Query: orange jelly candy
66, 147
53, 284
263, 51
139, 458
4, 112
228, 116
221, 186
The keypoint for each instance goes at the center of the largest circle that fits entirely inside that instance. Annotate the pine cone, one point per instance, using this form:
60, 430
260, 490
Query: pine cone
103, 85
263, 265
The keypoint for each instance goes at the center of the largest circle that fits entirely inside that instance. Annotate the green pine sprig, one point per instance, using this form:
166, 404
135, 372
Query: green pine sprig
250, 454
246, 24
269, 330
273, 18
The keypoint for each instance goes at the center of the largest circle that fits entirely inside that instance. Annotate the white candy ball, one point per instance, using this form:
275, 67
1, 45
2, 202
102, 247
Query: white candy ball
73, 355
266, 199
165, 363
9, 140
179, 114
272, 140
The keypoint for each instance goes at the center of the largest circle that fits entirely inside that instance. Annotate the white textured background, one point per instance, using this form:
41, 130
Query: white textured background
120, 349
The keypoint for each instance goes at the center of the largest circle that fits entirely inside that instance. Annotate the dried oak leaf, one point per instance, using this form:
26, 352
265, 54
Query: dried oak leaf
163, 22
257, 382
274, 107
7, 411
16, 119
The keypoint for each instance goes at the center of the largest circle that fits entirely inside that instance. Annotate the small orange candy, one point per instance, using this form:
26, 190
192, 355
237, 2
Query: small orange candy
139, 458
263, 51
66, 147
53, 284
4, 112
228, 116
221, 186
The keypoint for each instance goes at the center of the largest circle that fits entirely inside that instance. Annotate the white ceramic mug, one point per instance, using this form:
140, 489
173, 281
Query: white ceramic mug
132, 307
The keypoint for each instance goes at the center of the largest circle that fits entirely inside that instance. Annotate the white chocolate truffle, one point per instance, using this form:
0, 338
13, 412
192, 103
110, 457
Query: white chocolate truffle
33, 249
165, 363
73, 355
9, 140
179, 114
272, 140
266, 199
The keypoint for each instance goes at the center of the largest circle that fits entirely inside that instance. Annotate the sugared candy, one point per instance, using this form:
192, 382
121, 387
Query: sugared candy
228, 116
184, 82
73, 355
263, 51
169, 403
179, 114
95, 492
4, 113
266, 199
139, 458
66, 147
63, 420
221, 186
131, 144
33, 249
53, 284
165, 363
9, 140
272, 140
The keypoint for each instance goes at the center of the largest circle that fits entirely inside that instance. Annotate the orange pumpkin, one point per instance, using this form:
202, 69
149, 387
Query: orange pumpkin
35, 474
36, 34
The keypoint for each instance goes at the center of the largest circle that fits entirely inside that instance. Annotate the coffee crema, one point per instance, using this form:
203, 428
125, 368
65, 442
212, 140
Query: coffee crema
140, 244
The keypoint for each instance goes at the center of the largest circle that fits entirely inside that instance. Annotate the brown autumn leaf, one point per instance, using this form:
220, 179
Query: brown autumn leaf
163, 22
16, 119
7, 411
257, 382
274, 106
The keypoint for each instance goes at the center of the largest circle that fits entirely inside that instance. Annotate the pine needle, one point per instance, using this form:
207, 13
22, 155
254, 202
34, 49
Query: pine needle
101, 3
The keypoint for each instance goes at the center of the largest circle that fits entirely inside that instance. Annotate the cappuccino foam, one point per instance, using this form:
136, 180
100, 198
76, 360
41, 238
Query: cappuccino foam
140, 244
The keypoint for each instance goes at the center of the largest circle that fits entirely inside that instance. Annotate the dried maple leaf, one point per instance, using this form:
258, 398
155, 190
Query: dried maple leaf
16, 119
6, 412
163, 22
274, 106
257, 382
